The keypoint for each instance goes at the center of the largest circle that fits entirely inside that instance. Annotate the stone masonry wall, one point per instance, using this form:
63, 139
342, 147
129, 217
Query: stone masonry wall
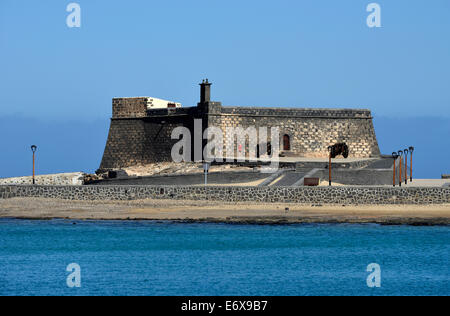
129, 107
300, 195
139, 136
158, 143
74, 178
310, 131
125, 144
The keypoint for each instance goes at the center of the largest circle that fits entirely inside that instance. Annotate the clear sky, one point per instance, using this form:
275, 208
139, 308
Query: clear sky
257, 52
307, 53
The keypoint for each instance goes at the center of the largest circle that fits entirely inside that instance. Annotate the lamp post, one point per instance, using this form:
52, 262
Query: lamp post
329, 165
400, 153
406, 151
206, 166
395, 156
33, 149
411, 150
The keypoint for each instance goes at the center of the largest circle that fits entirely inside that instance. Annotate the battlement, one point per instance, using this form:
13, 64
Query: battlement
138, 106
297, 112
129, 107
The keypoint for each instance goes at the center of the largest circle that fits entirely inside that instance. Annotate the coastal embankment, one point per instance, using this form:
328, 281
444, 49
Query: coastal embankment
334, 195
262, 205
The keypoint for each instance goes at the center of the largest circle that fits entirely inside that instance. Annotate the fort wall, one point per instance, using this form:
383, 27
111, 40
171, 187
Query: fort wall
310, 131
139, 136
129, 107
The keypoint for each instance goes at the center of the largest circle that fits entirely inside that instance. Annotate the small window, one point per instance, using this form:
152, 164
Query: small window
286, 142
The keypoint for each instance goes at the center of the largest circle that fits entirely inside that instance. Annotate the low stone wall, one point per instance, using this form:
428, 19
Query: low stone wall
75, 178
301, 195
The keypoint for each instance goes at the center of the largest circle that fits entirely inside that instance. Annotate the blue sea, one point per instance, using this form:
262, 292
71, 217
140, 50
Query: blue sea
167, 258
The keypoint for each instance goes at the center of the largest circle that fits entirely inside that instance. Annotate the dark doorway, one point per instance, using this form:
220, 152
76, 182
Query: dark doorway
286, 142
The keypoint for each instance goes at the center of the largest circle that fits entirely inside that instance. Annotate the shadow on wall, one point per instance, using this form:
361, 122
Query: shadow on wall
63, 145
67, 146
430, 136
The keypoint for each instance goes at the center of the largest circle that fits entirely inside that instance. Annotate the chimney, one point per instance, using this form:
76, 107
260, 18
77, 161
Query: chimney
205, 91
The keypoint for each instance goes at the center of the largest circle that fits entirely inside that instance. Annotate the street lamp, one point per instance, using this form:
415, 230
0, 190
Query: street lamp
400, 153
206, 166
411, 150
395, 156
330, 148
406, 151
33, 149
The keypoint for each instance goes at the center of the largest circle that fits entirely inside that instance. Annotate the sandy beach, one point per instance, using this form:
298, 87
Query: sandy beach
209, 211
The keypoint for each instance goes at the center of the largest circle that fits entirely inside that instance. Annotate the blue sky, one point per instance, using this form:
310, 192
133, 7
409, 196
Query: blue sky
269, 53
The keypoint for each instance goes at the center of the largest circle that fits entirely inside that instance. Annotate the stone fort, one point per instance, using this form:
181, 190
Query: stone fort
140, 134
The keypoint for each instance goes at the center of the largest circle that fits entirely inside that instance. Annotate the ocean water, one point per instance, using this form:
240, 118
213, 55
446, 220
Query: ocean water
166, 258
